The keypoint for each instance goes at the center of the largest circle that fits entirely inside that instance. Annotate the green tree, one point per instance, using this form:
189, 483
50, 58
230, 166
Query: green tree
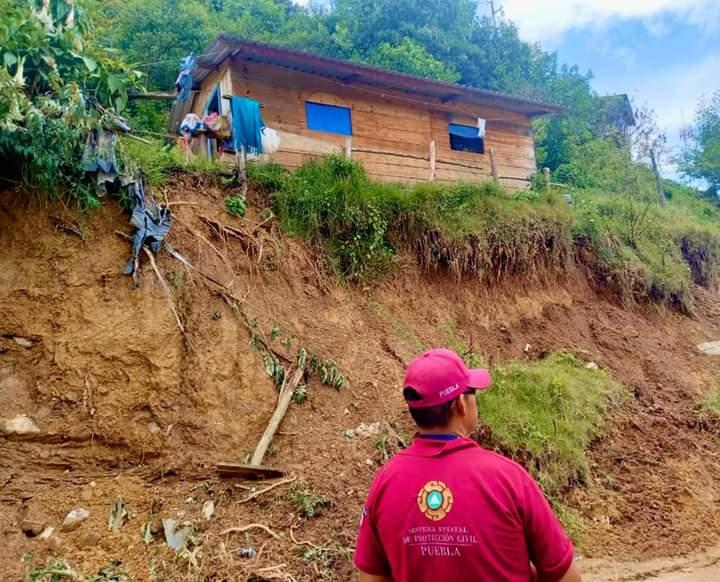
56, 82
701, 158
410, 57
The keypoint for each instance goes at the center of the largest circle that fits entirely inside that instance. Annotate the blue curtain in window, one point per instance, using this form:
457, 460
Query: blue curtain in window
330, 118
464, 130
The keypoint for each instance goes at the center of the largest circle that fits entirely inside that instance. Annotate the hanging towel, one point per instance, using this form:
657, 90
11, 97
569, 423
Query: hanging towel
247, 125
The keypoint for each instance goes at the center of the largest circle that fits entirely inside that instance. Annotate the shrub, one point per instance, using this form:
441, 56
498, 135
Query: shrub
333, 204
631, 249
268, 177
56, 83
235, 205
546, 414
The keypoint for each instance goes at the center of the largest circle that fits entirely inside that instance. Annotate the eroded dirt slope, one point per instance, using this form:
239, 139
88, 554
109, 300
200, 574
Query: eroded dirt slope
130, 407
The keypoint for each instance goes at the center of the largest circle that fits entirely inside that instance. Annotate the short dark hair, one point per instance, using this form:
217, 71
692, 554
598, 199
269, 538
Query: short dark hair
432, 416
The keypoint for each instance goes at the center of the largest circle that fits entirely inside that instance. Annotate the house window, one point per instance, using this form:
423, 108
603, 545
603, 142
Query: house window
330, 118
466, 138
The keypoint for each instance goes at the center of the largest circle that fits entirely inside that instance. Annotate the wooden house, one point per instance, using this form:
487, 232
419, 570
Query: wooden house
402, 128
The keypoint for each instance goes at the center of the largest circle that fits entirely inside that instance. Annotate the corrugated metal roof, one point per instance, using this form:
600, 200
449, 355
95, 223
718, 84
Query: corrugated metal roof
350, 74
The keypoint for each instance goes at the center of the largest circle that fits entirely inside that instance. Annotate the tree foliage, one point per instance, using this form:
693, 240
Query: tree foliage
56, 82
410, 57
701, 159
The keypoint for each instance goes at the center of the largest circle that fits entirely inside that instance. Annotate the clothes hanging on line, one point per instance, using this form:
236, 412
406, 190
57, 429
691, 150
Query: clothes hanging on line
247, 125
191, 124
183, 83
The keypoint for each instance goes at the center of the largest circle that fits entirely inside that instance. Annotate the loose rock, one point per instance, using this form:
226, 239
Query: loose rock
74, 519
47, 533
208, 509
23, 342
32, 528
363, 430
710, 348
592, 366
21, 424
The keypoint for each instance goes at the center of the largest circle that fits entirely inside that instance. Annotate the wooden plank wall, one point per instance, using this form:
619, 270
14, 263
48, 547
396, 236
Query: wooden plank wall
391, 131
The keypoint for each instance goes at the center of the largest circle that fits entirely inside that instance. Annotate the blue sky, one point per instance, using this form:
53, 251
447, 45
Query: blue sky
663, 53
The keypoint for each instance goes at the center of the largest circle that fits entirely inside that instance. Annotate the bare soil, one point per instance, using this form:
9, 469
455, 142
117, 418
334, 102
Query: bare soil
131, 408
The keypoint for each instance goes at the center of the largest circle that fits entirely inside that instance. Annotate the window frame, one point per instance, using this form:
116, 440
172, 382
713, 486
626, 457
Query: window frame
309, 105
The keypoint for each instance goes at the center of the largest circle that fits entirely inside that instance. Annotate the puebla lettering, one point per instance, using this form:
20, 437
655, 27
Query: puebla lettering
440, 552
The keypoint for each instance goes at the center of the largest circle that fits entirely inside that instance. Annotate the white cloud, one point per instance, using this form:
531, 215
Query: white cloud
547, 20
657, 27
673, 93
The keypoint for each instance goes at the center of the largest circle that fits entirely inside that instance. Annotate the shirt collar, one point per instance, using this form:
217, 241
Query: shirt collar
425, 447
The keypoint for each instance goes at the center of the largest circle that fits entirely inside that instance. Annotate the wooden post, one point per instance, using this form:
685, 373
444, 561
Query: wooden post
348, 147
546, 174
433, 161
242, 170
493, 167
286, 394
204, 146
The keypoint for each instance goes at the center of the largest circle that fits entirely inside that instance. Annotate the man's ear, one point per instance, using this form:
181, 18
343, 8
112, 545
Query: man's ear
461, 407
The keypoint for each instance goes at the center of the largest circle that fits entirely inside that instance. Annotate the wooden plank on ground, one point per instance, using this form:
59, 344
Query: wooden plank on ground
239, 471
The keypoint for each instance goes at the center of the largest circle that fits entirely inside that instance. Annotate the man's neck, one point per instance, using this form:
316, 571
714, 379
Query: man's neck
450, 429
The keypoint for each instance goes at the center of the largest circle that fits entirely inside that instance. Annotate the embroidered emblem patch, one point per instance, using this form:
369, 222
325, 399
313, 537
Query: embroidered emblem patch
435, 500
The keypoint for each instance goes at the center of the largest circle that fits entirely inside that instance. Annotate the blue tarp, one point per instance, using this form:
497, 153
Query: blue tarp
330, 118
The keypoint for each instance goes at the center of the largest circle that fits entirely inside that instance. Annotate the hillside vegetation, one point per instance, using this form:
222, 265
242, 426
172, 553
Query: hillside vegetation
633, 245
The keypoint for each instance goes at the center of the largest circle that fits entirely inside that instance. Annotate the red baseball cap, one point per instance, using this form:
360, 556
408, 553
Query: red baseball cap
440, 376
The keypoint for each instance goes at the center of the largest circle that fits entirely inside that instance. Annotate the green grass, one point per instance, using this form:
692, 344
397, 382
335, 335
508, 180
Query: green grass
711, 403
305, 502
158, 163
616, 227
473, 230
546, 414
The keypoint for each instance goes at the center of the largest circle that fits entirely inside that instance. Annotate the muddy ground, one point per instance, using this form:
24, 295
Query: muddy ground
129, 407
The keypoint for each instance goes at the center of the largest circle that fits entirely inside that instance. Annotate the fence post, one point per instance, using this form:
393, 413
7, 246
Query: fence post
433, 161
493, 166
546, 174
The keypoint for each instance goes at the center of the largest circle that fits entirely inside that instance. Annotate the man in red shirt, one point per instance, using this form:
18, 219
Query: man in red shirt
447, 509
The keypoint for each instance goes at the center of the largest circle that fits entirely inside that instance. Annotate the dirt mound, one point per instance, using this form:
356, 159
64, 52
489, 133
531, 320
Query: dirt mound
128, 407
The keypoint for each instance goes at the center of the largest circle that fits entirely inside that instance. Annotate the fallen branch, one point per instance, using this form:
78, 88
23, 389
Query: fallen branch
270, 488
261, 224
286, 394
166, 289
244, 528
303, 542
183, 203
